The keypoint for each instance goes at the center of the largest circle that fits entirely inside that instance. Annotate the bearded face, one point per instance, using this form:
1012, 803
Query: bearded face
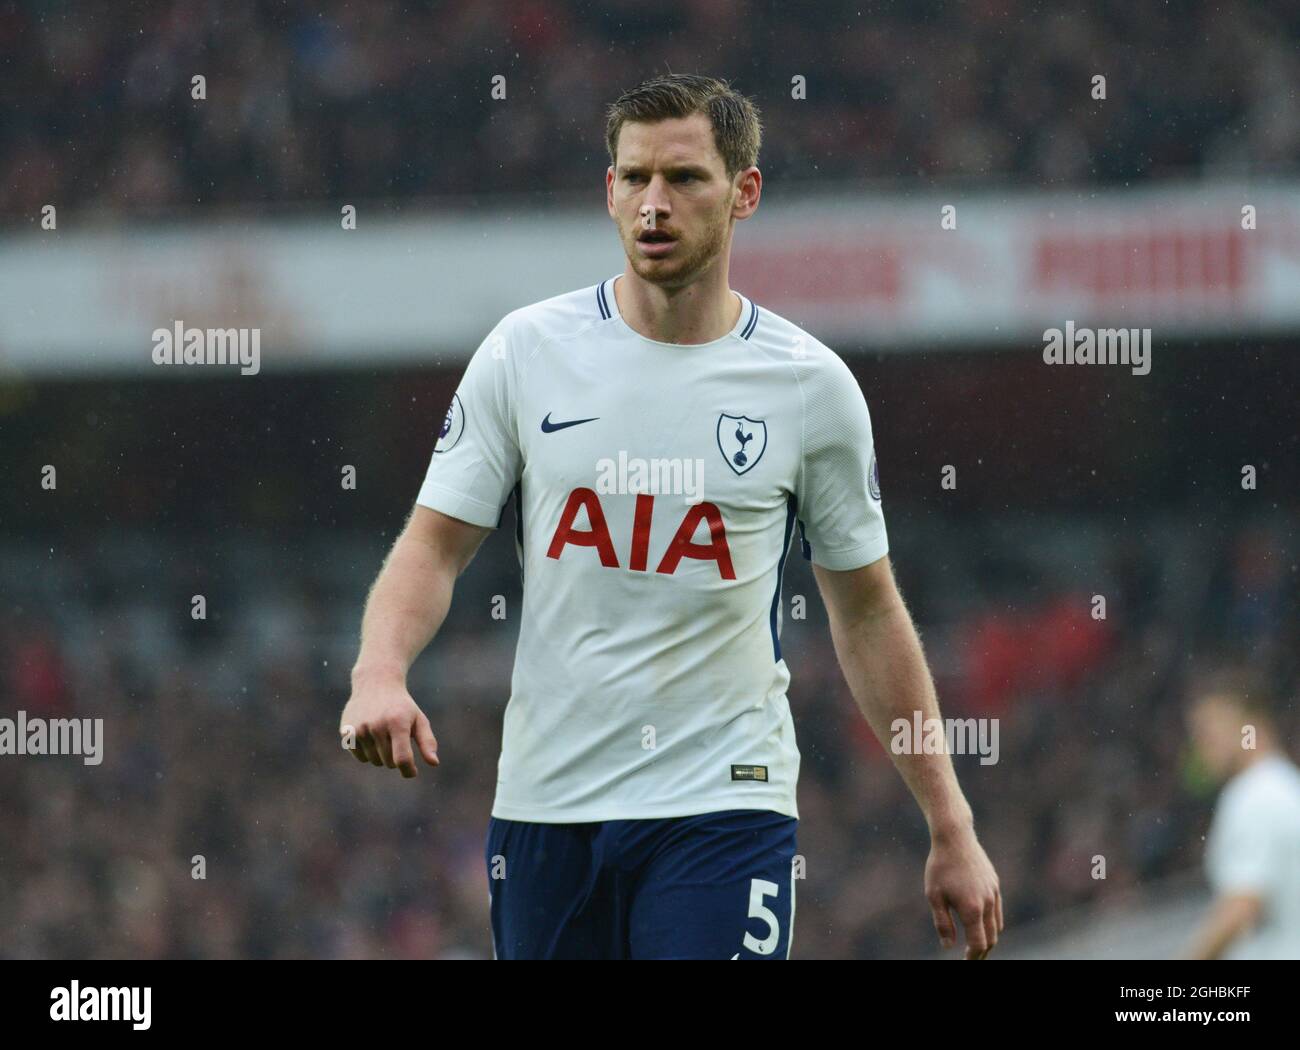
671, 199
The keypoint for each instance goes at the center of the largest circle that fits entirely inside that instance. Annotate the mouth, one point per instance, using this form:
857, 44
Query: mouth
656, 242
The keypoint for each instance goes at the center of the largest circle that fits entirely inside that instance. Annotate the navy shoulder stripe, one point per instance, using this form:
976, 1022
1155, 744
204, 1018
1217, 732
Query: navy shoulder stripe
753, 320
601, 305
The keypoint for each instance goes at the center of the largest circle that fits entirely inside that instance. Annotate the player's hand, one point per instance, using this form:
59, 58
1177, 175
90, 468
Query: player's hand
960, 877
381, 721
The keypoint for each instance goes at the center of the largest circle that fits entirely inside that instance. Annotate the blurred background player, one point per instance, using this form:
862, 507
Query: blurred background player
1253, 850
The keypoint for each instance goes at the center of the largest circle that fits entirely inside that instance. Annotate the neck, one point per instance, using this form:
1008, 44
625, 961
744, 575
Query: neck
1258, 754
699, 312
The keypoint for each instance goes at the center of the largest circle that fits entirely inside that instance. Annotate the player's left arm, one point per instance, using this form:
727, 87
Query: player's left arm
1230, 916
883, 662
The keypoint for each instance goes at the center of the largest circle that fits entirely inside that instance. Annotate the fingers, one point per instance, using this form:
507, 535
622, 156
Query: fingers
383, 743
354, 748
990, 927
389, 744
425, 740
403, 756
967, 885
982, 920
972, 918
993, 924
367, 749
942, 921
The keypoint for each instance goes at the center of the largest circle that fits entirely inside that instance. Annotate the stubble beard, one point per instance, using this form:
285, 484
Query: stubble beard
685, 268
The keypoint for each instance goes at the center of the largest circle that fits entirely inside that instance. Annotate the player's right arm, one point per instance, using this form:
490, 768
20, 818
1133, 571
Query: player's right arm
407, 605
475, 465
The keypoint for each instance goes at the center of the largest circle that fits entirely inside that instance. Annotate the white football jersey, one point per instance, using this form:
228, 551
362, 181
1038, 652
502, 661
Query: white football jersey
1254, 847
657, 490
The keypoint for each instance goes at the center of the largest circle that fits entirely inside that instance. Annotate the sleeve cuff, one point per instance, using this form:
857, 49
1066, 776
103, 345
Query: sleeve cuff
458, 505
853, 557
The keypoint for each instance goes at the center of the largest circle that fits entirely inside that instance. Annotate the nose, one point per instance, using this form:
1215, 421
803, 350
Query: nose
654, 205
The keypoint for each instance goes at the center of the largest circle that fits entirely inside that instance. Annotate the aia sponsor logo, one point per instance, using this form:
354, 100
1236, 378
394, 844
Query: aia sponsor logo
682, 545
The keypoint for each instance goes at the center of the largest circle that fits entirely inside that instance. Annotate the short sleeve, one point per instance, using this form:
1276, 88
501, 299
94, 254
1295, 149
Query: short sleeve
1243, 860
476, 461
838, 487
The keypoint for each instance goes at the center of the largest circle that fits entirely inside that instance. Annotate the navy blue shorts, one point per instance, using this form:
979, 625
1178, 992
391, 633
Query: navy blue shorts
714, 886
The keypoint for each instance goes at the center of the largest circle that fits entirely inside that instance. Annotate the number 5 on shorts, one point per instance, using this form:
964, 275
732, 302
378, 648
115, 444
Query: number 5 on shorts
758, 889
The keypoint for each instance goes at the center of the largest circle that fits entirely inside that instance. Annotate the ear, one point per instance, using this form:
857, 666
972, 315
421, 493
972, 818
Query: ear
747, 191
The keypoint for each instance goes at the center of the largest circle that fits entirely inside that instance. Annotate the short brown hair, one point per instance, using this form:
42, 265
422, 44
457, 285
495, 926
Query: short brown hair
737, 132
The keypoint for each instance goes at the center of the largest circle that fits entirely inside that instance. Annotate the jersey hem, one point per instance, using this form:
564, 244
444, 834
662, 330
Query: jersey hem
598, 814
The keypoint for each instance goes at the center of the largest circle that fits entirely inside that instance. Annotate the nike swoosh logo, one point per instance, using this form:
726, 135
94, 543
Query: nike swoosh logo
549, 427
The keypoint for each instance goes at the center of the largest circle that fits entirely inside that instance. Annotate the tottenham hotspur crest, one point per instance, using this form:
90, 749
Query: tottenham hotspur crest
741, 441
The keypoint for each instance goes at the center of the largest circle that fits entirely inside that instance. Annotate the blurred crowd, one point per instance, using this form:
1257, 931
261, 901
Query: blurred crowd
221, 756
225, 820
390, 99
